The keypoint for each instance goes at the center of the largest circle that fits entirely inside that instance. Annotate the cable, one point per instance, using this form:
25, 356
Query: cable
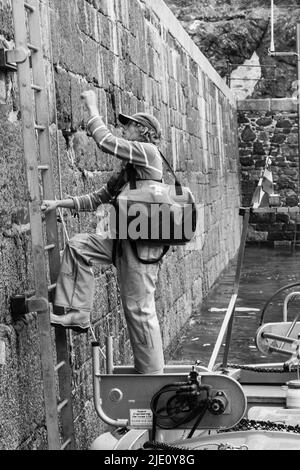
185, 405
199, 419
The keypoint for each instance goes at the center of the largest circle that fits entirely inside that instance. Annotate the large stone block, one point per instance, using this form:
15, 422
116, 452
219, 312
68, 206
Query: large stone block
88, 19
6, 21
68, 43
105, 31
92, 62
77, 86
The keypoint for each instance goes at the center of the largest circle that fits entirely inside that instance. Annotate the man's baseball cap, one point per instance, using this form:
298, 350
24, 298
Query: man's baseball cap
144, 119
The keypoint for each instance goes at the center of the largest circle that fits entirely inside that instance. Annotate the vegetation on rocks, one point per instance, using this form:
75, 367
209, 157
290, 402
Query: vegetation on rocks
233, 30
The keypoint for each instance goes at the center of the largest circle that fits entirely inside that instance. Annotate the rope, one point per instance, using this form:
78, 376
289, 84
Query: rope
63, 224
56, 120
96, 341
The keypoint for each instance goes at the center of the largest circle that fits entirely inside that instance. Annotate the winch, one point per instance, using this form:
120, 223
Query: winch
183, 398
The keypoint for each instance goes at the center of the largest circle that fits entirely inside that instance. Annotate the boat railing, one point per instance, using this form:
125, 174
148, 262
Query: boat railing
288, 298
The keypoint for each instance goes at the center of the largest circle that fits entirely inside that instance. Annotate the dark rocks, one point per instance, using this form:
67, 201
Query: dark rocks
248, 135
292, 200
242, 119
278, 139
285, 167
246, 161
264, 121
284, 123
285, 183
233, 31
258, 148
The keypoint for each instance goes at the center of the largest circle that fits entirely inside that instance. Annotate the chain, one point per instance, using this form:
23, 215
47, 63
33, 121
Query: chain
162, 446
263, 369
249, 424
231, 447
243, 425
220, 446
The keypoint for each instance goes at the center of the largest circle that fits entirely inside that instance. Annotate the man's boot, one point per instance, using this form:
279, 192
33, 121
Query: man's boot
77, 320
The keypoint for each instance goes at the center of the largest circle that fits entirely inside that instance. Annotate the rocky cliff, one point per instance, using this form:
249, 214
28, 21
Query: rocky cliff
238, 32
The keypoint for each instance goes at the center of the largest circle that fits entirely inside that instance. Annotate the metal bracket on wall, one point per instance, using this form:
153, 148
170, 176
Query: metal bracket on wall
242, 210
9, 58
21, 305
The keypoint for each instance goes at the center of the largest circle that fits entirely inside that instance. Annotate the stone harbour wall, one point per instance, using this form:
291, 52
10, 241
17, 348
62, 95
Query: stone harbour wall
270, 127
136, 57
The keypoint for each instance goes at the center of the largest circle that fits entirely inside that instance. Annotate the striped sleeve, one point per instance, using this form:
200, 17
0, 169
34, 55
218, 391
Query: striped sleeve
90, 202
137, 153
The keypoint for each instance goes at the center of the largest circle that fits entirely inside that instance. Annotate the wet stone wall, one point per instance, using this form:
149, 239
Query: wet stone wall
270, 127
136, 57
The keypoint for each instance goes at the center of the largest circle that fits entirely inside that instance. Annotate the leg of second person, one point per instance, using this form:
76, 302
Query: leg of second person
137, 286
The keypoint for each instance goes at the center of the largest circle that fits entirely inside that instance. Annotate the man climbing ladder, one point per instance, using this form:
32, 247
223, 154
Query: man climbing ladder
75, 284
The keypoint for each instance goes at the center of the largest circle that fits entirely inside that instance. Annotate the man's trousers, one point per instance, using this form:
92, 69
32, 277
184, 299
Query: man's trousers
75, 290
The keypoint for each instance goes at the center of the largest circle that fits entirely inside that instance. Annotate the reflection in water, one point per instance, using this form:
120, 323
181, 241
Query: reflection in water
264, 271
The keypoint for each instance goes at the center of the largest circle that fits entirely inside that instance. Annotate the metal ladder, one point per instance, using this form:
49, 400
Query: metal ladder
28, 56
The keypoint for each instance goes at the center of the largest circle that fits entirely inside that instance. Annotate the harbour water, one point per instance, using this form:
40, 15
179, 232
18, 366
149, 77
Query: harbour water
264, 271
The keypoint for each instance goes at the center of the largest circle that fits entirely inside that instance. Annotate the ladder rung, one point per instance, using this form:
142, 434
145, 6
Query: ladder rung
66, 443
32, 48
39, 128
36, 87
43, 167
59, 365
29, 7
49, 247
62, 404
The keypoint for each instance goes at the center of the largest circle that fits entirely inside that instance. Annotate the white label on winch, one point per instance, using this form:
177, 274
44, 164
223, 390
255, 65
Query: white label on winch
139, 417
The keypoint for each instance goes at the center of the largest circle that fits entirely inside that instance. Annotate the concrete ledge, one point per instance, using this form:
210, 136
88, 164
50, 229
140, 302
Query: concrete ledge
253, 105
269, 104
284, 104
277, 210
170, 21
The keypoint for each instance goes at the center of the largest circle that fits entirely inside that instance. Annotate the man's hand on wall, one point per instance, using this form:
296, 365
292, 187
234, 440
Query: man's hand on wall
89, 98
